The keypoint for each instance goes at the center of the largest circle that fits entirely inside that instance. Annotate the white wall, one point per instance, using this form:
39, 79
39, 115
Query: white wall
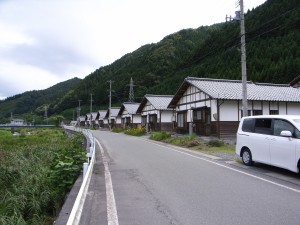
166, 116
293, 109
229, 111
136, 118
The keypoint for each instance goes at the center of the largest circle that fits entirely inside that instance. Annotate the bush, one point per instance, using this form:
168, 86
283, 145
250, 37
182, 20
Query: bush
215, 143
118, 129
159, 136
136, 131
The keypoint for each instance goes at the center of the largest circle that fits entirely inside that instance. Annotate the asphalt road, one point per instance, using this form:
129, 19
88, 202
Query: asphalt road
158, 184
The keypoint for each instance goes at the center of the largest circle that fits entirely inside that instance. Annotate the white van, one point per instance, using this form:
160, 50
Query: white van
270, 139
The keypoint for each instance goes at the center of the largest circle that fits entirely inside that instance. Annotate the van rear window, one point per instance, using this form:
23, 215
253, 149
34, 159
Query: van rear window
248, 125
263, 126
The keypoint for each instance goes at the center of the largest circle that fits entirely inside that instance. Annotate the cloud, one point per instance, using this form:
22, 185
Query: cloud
49, 41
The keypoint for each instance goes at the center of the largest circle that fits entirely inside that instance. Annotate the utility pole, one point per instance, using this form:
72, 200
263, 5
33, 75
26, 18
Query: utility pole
79, 108
239, 16
109, 107
91, 108
243, 60
131, 93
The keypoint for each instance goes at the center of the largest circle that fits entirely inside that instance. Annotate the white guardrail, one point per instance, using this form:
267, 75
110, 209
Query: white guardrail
75, 214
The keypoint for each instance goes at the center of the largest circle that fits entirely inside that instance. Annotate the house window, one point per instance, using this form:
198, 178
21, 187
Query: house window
196, 115
257, 112
144, 120
180, 120
274, 112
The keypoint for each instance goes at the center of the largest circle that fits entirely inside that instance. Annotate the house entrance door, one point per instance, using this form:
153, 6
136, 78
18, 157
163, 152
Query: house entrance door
202, 121
152, 122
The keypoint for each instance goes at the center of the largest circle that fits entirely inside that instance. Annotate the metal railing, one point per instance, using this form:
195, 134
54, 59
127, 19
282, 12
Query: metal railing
75, 214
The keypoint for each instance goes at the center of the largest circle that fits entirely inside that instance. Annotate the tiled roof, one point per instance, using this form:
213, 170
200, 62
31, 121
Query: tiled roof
101, 114
232, 90
159, 101
131, 107
114, 112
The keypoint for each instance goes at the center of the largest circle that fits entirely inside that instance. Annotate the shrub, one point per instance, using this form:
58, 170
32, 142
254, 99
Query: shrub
159, 136
118, 129
215, 143
136, 131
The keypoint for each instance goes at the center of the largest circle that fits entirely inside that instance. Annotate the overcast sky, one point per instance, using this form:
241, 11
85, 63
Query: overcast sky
46, 42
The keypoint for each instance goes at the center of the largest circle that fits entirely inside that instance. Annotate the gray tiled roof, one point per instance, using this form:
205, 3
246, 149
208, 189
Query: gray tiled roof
159, 101
131, 107
101, 114
114, 112
232, 89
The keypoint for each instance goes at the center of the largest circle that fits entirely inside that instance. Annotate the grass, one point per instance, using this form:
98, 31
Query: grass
118, 129
37, 169
135, 131
192, 142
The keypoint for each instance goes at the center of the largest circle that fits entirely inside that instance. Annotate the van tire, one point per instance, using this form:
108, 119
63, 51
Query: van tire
247, 157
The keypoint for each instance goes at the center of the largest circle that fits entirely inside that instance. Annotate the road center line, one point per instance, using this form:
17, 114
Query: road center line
227, 167
112, 214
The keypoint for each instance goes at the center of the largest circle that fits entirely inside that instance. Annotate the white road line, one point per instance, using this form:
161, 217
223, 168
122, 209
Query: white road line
112, 214
230, 168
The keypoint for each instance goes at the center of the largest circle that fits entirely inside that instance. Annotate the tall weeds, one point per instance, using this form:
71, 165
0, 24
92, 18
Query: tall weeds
29, 192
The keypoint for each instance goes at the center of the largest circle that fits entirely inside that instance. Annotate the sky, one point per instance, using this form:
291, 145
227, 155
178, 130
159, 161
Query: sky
46, 42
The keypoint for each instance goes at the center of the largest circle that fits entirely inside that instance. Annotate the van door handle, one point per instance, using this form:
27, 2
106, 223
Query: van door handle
270, 139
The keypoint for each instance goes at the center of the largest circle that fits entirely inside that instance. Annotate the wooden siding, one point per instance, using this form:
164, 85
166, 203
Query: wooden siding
225, 129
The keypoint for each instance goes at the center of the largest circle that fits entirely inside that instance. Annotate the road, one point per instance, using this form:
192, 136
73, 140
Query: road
143, 182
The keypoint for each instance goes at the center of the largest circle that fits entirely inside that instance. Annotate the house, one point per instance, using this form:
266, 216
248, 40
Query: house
114, 120
100, 119
214, 106
81, 121
155, 114
93, 121
88, 120
17, 122
129, 116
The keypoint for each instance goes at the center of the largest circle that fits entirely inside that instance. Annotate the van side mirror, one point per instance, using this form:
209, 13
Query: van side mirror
286, 133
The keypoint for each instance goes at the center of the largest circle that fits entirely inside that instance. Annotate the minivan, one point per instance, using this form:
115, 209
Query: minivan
270, 139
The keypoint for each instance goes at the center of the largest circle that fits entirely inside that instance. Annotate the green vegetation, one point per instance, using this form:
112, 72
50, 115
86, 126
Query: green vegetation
273, 56
135, 131
192, 142
37, 169
159, 136
118, 129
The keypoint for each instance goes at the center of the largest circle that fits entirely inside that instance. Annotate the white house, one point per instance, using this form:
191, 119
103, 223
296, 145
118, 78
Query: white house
100, 118
214, 106
81, 121
87, 119
17, 122
155, 114
113, 118
129, 116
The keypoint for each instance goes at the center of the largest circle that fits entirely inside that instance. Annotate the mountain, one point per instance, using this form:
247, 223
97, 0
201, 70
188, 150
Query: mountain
31, 105
272, 47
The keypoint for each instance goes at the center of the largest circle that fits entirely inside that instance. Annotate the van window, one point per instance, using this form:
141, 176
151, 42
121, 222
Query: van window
281, 125
248, 125
263, 126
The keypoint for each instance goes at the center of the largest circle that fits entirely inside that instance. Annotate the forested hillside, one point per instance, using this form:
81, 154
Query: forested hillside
273, 55
31, 105
272, 46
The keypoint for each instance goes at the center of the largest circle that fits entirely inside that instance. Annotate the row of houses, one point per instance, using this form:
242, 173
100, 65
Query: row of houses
201, 105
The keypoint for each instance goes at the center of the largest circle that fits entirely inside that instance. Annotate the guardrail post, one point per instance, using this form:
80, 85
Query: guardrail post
85, 168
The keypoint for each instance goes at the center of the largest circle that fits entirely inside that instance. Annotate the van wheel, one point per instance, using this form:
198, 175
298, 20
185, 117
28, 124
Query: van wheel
247, 157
